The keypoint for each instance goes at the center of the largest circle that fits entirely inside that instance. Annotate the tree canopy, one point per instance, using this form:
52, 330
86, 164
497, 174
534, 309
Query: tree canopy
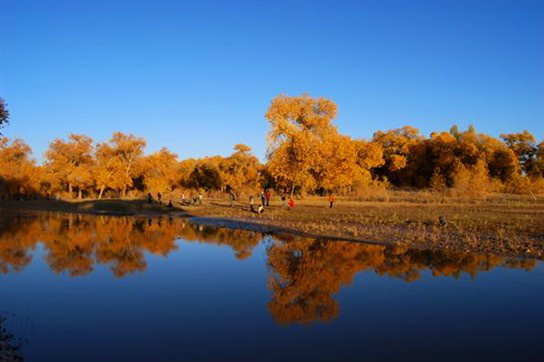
306, 153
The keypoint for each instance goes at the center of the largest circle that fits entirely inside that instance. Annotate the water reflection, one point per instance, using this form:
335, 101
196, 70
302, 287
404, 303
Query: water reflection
303, 274
306, 273
75, 243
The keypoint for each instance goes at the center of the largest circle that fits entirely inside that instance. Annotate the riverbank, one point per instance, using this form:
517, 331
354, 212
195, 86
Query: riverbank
112, 207
503, 228
514, 227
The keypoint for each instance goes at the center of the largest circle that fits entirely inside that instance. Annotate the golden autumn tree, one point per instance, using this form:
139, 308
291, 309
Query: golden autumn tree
369, 154
185, 167
501, 161
537, 167
478, 151
290, 163
17, 169
338, 164
305, 149
471, 180
161, 171
240, 171
70, 163
524, 147
205, 175
299, 126
447, 156
446, 159
118, 162
105, 167
451, 159
369, 157
397, 145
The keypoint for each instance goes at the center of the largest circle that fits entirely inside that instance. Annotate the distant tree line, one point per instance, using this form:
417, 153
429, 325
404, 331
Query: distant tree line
306, 154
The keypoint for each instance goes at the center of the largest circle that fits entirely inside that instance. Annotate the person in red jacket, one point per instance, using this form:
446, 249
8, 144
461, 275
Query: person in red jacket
267, 196
291, 203
331, 200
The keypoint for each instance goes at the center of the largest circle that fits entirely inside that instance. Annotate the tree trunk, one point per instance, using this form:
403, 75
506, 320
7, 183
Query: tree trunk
293, 189
79, 193
101, 192
70, 189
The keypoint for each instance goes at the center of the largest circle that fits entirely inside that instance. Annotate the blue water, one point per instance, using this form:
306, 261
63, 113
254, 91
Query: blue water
198, 301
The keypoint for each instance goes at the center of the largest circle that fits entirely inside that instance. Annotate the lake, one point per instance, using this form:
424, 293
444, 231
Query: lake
105, 288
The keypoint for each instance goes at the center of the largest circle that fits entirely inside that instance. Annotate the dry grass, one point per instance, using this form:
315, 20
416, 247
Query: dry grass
502, 224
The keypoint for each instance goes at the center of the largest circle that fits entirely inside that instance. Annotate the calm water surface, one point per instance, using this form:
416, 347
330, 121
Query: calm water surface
97, 288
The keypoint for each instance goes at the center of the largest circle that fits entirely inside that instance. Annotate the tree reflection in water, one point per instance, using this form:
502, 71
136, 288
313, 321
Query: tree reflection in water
303, 274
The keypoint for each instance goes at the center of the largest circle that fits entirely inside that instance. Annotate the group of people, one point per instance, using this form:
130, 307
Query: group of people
265, 201
286, 202
194, 200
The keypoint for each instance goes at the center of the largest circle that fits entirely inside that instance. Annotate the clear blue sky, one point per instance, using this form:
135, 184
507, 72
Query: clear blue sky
198, 77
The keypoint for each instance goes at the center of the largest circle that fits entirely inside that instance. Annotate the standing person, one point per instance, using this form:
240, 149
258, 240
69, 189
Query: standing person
251, 203
200, 197
291, 203
183, 198
232, 198
283, 198
331, 200
159, 196
149, 198
267, 196
263, 198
